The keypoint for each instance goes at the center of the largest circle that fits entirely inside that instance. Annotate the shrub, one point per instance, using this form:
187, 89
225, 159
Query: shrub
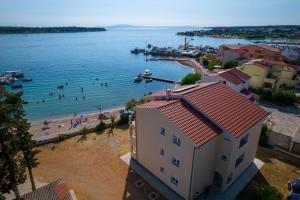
263, 139
123, 119
230, 64
62, 137
190, 78
285, 97
130, 104
205, 62
262, 191
84, 130
101, 126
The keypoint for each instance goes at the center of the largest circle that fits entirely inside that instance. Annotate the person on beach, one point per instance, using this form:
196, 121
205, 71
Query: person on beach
75, 114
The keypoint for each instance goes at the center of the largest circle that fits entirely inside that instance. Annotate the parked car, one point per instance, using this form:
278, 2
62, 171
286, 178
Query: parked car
294, 188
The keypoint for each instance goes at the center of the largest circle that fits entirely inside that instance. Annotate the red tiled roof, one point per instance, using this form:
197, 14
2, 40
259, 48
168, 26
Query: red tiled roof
226, 107
234, 76
238, 47
196, 126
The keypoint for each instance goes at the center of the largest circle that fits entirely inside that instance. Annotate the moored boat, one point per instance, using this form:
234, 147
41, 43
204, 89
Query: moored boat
16, 86
138, 78
15, 73
149, 80
61, 86
147, 73
27, 79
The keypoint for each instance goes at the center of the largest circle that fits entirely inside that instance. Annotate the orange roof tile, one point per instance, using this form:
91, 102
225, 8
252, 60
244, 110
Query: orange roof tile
234, 76
226, 107
193, 124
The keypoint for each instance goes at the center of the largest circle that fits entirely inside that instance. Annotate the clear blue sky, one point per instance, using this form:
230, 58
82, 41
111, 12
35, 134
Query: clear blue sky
148, 12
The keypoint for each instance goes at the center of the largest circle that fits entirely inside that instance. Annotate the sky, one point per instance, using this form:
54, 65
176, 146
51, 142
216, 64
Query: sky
149, 12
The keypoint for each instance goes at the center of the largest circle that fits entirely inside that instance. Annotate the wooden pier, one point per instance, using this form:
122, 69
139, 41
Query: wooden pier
160, 79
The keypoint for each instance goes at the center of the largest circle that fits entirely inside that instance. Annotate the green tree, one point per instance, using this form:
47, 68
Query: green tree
26, 146
12, 168
285, 97
190, 78
205, 62
230, 64
101, 126
113, 122
263, 139
123, 119
262, 191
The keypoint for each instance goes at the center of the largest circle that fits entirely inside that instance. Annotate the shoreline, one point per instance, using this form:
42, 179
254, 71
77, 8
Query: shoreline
70, 116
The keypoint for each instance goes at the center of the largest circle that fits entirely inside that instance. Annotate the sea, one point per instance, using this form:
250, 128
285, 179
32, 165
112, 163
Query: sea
84, 62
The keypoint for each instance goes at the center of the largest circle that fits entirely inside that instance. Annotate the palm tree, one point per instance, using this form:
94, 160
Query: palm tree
113, 122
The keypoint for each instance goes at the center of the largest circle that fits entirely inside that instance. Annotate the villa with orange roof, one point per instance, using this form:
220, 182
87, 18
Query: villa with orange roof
227, 53
196, 138
271, 74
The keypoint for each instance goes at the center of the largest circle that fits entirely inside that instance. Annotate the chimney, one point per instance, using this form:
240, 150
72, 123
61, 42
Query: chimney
168, 94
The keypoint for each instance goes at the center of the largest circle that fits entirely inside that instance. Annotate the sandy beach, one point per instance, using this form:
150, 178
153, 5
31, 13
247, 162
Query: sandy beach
61, 126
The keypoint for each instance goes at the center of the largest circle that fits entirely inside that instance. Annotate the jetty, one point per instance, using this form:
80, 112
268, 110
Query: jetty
160, 79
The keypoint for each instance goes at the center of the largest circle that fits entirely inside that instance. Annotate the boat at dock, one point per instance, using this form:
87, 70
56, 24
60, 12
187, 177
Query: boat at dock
27, 79
138, 50
15, 73
16, 86
61, 86
7, 79
147, 73
138, 78
149, 80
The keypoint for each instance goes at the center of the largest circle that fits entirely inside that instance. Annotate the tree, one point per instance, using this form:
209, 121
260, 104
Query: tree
263, 139
26, 146
190, 78
230, 64
12, 168
123, 119
101, 126
262, 191
285, 97
205, 62
113, 122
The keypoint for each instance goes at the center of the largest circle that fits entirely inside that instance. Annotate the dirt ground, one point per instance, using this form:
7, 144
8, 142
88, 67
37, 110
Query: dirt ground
277, 171
92, 168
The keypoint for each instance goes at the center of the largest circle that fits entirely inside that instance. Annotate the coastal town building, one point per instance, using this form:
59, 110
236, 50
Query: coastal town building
196, 138
235, 79
291, 53
271, 74
241, 53
56, 190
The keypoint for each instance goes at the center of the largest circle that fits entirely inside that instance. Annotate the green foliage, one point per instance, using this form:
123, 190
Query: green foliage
278, 96
285, 97
263, 140
2, 197
262, 191
112, 121
101, 126
129, 105
12, 168
123, 119
212, 64
190, 78
84, 131
62, 137
205, 62
230, 64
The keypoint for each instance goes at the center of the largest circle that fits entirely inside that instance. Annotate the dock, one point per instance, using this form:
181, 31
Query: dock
160, 79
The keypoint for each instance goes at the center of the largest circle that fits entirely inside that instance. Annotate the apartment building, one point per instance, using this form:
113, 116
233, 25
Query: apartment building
271, 74
235, 79
196, 137
227, 53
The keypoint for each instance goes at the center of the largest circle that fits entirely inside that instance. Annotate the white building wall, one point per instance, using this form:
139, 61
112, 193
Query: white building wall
150, 141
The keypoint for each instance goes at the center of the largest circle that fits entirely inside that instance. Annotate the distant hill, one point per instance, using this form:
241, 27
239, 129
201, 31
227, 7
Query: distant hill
124, 26
249, 32
29, 30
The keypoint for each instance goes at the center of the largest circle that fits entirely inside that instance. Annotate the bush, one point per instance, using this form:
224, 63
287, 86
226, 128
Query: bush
262, 191
101, 126
130, 104
263, 139
123, 119
285, 97
190, 78
84, 130
205, 62
230, 64
62, 137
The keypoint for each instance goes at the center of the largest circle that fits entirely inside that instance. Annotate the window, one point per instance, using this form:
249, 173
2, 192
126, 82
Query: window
223, 157
244, 140
162, 131
162, 151
239, 160
175, 161
174, 180
176, 140
162, 169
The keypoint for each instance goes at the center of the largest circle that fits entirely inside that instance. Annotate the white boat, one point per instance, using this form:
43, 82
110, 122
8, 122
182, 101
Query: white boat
147, 73
138, 79
149, 80
16, 73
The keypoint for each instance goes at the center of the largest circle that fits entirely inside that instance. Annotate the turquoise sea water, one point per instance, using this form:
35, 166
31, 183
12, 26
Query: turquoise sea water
80, 58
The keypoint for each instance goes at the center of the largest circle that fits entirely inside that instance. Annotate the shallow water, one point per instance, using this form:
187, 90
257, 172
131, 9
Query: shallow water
80, 58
